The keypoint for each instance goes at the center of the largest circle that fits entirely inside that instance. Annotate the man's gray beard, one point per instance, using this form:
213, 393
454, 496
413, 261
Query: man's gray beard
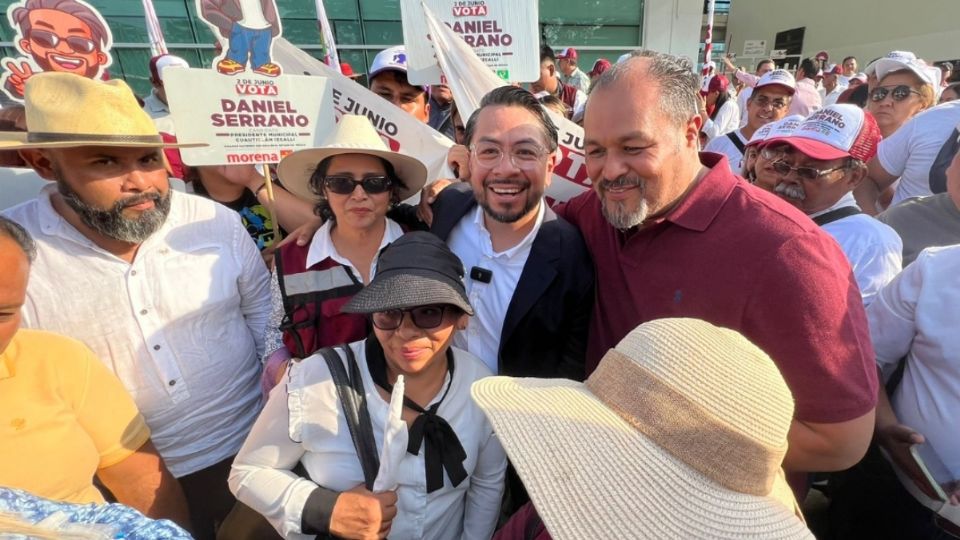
111, 223
618, 216
790, 191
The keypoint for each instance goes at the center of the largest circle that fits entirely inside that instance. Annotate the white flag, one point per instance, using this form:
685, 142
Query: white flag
157, 45
330, 56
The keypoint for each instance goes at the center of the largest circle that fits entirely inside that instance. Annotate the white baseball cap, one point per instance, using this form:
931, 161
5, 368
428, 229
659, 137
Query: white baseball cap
835, 132
885, 66
392, 59
781, 128
158, 64
778, 77
899, 56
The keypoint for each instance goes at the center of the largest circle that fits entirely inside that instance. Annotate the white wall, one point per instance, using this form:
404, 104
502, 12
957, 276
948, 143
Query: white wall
673, 26
863, 28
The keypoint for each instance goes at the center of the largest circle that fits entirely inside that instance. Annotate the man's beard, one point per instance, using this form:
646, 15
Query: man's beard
791, 192
47, 67
111, 223
617, 213
533, 199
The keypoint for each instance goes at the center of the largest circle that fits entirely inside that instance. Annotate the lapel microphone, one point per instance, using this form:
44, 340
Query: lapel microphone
481, 274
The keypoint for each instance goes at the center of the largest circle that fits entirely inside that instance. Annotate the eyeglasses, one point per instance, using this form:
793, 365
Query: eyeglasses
424, 317
806, 173
775, 104
345, 185
524, 156
899, 92
50, 40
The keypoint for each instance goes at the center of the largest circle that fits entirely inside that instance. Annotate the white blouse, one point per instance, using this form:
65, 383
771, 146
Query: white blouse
308, 410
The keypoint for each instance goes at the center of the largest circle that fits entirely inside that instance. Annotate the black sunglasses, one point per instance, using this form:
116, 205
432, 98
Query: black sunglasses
50, 40
425, 317
345, 185
899, 92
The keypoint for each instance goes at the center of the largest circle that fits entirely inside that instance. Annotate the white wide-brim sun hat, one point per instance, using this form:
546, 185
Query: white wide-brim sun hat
354, 135
652, 445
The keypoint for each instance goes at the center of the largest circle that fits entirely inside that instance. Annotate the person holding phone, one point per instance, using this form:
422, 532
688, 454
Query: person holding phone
912, 492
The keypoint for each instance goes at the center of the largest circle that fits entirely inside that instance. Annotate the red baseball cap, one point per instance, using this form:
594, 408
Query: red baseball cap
347, 71
835, 132
567, 54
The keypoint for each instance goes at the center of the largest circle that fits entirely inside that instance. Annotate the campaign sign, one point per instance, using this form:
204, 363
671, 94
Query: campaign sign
398, 129
504, 34
246, 119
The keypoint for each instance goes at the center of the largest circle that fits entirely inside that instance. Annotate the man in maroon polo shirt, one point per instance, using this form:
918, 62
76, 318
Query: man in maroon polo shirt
676, 234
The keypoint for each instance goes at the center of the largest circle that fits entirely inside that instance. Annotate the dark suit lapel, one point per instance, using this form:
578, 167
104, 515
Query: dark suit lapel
451, 205
538, 273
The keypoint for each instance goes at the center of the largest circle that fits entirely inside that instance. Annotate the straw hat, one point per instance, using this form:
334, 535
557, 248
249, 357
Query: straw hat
65, 110
354, 135
679, 433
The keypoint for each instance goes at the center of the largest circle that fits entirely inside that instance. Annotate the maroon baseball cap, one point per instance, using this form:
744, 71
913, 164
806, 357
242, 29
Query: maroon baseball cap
718, 83
599, 67
567, 54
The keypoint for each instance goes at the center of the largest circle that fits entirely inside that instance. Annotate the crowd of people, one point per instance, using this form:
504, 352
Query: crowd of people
752, 300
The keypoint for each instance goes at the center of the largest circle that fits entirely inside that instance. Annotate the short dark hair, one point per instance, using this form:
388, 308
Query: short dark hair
766, 61
401, 78
12, 230
844, 61
809, 67
546, 53
322, 208
512, 96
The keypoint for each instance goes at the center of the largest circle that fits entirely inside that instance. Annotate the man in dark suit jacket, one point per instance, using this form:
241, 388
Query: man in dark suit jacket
545, 328
529, 274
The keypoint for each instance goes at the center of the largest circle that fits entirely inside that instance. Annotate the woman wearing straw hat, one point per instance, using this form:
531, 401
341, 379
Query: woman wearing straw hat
679, 433
443, 462
355, 179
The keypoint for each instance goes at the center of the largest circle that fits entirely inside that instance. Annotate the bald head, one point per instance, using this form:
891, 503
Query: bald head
673, 75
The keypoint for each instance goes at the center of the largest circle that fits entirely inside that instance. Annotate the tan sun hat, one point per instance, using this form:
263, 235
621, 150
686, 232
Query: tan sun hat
679, 433
65, 110
354, 135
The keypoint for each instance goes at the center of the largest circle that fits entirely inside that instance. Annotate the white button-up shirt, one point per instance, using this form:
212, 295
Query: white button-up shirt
471, 241
303, 423
916, 316
874, 249
181, 326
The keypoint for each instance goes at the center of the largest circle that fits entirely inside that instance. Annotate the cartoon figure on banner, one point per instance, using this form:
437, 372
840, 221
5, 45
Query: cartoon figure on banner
246, 30
55, 35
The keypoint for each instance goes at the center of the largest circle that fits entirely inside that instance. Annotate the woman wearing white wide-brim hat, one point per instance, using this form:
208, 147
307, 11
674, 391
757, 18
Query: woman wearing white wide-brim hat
354, 179
679, 433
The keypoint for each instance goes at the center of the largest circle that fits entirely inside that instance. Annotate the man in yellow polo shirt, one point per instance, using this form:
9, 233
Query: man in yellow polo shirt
64, 417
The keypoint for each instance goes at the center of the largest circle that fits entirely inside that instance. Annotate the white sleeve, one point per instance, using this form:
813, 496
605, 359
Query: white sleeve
254, 285
892, 315
261, 475
726, 121
578, 105
482, 506
875, 264
894, 152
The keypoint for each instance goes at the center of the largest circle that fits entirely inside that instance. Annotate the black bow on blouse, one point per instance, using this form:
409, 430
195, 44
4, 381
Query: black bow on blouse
442, 448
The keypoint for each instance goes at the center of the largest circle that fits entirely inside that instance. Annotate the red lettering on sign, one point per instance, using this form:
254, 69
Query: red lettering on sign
572, 166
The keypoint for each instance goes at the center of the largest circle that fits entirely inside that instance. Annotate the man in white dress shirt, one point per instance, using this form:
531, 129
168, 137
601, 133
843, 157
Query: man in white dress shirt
167, 288
823, 161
